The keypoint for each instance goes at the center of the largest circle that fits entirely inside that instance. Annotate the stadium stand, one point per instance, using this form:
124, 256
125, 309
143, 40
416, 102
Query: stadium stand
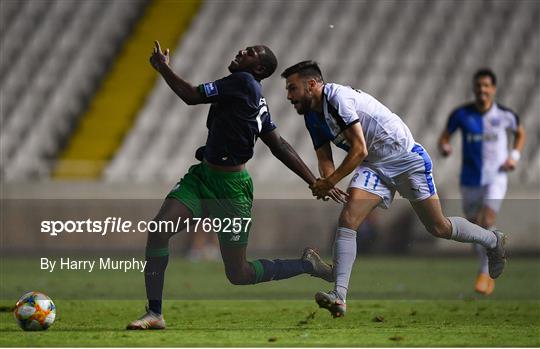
421, 69
110, 115
416, 56
49, 74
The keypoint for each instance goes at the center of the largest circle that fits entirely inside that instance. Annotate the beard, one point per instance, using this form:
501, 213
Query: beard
303, 105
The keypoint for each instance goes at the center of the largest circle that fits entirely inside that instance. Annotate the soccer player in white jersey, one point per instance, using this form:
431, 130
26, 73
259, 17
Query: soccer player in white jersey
384, 157
486, 160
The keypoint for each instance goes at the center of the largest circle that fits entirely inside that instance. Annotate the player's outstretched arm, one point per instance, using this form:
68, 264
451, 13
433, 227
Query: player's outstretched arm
357, 153
283, 151
187, 92
326, 168
325, 160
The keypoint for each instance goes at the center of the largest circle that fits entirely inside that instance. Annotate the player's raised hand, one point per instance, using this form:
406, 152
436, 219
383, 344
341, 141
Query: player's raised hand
159, 58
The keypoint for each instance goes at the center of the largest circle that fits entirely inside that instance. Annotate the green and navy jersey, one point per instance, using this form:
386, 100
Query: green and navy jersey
237, 116
485, 141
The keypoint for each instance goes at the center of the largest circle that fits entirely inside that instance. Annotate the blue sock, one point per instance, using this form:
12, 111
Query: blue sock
278, 269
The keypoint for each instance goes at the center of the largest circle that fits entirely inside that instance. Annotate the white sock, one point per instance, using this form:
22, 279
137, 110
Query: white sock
465, 231
482, 258
344, 256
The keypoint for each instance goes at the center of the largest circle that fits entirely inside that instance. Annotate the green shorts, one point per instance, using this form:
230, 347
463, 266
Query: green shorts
226, 196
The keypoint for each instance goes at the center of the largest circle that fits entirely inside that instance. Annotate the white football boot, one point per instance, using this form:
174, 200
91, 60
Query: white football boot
149, 321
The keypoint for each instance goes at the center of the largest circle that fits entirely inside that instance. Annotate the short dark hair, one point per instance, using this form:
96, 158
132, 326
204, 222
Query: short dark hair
485, 72
268, 60
305, 69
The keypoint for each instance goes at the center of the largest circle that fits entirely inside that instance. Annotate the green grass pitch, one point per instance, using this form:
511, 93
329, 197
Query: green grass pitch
398, 302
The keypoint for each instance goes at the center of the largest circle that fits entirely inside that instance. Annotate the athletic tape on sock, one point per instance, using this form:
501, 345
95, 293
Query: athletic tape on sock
346, 232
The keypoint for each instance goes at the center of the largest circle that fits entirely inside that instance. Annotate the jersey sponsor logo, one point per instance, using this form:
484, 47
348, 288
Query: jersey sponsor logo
479, 137
474, 137
490, 137
210, 89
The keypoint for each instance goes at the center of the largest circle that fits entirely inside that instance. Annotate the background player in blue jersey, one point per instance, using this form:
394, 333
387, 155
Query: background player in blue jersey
384, 157
219, 186
486, 160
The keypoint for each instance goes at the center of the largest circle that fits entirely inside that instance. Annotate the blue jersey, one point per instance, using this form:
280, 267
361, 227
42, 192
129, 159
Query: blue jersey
237, 116
485, 141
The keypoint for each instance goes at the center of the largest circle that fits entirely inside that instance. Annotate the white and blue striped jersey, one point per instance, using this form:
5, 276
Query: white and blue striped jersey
385, 133
485, 141
394, 162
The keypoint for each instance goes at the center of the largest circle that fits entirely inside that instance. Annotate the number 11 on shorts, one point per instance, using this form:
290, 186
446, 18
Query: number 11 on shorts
368, 175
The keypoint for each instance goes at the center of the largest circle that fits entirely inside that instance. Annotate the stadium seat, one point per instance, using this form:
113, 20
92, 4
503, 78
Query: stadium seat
68, 49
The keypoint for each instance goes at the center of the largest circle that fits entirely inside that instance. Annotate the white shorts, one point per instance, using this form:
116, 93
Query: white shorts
490, 195
414, 183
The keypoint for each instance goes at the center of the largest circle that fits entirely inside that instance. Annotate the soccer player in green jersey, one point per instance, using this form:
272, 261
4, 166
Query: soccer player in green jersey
219, 186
